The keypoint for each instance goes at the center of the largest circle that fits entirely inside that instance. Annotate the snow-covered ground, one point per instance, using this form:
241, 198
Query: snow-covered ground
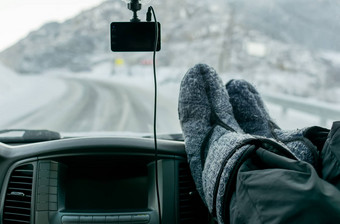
20, 95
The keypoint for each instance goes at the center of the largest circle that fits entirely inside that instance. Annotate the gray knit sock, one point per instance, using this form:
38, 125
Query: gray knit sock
201, 94
204, 110
253, 118
249, 109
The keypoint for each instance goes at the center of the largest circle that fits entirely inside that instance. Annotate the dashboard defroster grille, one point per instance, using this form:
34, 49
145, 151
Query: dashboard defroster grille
17, 206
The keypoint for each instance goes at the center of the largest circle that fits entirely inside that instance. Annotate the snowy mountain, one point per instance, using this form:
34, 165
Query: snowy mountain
269, 44
187, 28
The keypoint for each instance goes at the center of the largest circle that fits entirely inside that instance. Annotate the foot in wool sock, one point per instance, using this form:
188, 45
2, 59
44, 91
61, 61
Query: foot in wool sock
204, 110
200, 95
249, 109
252, 116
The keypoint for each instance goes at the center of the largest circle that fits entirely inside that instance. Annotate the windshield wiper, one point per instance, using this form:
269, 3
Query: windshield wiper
27, 136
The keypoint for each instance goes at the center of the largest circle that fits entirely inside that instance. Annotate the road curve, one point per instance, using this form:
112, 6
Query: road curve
87, 105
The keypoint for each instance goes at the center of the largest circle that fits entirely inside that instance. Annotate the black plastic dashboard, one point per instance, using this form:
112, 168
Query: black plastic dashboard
97, 180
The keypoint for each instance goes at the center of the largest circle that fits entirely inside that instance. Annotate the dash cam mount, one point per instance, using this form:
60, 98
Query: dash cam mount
134, 6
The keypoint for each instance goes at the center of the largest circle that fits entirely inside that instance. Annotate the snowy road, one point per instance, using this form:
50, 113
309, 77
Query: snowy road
83, 105
106, 104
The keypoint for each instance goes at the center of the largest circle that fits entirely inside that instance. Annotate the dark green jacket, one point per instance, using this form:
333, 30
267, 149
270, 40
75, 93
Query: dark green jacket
270, 188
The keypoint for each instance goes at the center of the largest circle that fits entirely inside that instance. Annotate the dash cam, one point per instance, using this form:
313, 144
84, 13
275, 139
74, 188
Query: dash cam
134, 36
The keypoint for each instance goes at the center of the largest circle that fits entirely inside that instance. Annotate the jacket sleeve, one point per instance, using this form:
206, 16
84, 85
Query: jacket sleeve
274, 189
330, 156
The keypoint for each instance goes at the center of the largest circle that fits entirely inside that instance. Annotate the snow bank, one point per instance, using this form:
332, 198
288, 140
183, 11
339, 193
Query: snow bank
8, 80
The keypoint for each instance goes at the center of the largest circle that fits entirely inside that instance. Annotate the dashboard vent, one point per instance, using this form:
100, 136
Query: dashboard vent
17, 206
191, 207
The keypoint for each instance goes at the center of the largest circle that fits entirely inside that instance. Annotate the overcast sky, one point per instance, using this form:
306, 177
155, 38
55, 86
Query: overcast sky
19, 17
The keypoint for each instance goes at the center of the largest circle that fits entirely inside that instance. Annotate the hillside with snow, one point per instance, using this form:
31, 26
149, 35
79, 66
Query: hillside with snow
313, 24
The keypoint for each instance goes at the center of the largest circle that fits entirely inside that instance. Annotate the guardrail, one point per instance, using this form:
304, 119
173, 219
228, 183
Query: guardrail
325, 111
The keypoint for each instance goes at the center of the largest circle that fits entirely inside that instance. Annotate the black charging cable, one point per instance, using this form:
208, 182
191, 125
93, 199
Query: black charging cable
148, 18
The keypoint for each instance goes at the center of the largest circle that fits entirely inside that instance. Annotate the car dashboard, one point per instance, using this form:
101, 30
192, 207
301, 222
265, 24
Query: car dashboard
97, 180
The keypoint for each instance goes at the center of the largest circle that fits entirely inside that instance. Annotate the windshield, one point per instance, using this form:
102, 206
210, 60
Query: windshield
57, 70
